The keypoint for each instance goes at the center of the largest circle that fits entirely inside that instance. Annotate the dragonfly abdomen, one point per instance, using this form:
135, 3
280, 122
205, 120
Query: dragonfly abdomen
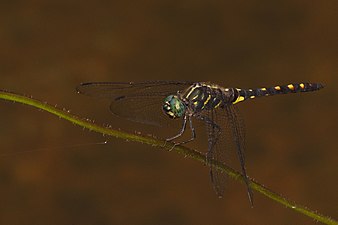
244, 94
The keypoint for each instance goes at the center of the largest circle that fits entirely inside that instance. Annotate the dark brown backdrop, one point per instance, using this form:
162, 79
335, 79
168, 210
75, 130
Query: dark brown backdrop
49, 47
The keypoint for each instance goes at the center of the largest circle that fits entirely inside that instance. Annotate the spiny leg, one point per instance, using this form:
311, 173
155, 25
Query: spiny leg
182, 130
193, 133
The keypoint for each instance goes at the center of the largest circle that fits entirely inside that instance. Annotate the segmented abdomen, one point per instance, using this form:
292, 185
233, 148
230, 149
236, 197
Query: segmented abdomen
282, 89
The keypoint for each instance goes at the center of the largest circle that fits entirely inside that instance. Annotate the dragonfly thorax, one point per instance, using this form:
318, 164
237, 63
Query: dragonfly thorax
174, 107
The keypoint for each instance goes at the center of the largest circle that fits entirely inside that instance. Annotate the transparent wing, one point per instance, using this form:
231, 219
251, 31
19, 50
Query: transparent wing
236, 127
140, 102
216, 150
143, 109
226, 139
116, 90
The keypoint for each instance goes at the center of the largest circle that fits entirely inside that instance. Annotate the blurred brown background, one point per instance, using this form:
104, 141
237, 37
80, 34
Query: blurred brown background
61, 177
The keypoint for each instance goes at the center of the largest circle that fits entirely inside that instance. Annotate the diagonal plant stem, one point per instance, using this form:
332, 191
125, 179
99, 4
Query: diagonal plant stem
85, 123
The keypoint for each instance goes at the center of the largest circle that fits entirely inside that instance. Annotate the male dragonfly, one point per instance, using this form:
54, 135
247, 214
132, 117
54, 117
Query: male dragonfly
204, 101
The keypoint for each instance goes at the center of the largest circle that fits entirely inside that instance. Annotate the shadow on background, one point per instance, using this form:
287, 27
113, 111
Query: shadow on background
63, 177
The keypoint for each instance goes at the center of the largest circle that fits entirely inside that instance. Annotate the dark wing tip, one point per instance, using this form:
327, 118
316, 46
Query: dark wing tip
120, 97
98, 88
79, 88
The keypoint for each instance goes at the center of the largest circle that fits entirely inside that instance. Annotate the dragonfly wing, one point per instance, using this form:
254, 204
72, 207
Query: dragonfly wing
140, 102
143, 109
216, 150
115, 90
236, 126
226, 139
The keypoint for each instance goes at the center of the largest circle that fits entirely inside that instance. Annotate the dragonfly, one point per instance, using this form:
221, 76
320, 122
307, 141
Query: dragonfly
153, 102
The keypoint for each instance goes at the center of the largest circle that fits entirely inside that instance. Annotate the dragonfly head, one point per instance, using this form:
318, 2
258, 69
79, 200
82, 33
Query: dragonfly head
173, 107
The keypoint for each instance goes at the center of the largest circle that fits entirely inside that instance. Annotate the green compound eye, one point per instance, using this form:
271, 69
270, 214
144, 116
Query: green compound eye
173, 107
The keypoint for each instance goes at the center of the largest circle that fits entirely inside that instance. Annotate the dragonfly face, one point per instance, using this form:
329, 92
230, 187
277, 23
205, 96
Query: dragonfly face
173, 107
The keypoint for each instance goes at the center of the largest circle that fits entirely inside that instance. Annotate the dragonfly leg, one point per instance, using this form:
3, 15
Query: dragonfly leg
182, 130
193, 133
184, 125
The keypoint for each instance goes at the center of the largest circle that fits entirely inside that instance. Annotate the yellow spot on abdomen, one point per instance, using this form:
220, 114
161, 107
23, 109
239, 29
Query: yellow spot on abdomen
239, 99
291, 87
277, 88
302, 86
263, 89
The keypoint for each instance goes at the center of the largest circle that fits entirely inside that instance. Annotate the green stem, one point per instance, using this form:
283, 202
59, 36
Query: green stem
160, 143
